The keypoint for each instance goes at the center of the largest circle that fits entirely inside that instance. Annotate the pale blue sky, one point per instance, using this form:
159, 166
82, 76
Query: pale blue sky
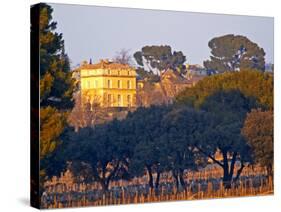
100, 32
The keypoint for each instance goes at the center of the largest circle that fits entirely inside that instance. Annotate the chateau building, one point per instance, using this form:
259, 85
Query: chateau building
171, 83
109, 84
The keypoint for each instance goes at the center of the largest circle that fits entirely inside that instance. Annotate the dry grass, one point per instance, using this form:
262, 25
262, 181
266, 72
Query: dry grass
66, 193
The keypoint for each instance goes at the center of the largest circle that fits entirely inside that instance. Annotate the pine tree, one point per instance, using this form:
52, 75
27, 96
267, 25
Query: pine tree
56, 83
233, 53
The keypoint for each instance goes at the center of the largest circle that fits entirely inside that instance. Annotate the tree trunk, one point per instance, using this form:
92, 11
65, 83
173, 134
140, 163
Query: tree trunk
104, 185
175, 175
157, 183
226, 175
232, 165
182, 180
226, 179
239, 172
150, 177
103, 180
269, 171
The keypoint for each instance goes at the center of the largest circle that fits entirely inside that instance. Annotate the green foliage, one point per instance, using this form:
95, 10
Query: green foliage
226, 112
220, 131
234, 52
178, 144
149, 152
148, 75
52, 124
250, 83
110, 148
258, 130
160, 57
180, 125
56, 83
56, 161
101, 152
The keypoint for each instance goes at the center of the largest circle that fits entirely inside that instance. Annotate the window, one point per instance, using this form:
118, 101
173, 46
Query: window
128, 72
96, 83
119, 84
118, 72
88, 84
140, 85
109, 83
109, 99
119, 100
129, 84
129, 100
109, 72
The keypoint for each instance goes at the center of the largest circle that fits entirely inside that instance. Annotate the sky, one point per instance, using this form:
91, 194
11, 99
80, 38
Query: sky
100, 32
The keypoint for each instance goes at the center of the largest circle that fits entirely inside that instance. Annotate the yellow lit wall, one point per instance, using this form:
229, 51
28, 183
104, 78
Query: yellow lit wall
111, 87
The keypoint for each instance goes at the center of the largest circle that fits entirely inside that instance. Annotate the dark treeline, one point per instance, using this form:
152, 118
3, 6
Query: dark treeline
172, 138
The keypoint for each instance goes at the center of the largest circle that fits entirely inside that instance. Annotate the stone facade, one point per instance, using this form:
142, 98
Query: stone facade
108, 84
163, 92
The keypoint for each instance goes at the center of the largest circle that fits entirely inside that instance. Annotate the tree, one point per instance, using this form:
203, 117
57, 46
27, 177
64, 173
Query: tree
85, 113
148, 151
233, 53
123, 57
159, 58
147, 75
56, 83
102, 152
220, 131
56, 87
52, 124
149, 94
112, 161
250, 83
258, 130
130, 144
178, 142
